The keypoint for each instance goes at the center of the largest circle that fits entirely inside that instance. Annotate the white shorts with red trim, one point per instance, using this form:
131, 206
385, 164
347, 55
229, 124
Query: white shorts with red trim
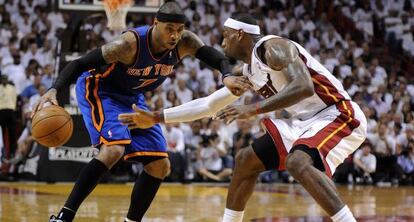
336, 132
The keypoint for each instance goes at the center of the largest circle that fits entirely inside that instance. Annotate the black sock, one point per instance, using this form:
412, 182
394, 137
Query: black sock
145, 188
86, 182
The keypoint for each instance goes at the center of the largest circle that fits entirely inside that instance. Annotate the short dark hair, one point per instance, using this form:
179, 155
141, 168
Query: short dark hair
244, 17
171, 7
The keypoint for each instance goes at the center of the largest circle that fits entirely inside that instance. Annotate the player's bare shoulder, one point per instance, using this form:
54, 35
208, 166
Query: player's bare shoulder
280, 53
189, 44
121, 49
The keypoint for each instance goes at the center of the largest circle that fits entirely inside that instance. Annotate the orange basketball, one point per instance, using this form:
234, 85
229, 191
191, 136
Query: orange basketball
52, 126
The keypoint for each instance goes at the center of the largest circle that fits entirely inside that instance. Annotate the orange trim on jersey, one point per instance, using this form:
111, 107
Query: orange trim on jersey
145, 153
95, 123
115, 142
98, 104
100, 108
107, 71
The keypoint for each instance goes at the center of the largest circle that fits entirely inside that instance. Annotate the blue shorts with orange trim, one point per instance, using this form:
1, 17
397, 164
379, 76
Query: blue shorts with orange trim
100, 109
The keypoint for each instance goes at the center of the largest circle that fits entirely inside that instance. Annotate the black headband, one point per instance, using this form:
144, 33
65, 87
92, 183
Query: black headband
174, 18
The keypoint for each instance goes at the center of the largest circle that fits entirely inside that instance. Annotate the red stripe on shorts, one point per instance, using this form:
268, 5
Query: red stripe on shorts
277, 139
328, 137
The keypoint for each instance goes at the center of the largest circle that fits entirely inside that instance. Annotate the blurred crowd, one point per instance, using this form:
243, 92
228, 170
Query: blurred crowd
204, 150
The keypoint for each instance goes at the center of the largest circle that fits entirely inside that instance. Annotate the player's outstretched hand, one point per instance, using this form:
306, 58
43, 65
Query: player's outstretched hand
237, 84
141, 119
49, 96
230, 113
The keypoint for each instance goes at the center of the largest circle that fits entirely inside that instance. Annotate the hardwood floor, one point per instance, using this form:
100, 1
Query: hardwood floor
24, 202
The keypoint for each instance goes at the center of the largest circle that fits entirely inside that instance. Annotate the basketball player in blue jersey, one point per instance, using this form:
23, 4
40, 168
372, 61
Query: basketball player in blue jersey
110, 80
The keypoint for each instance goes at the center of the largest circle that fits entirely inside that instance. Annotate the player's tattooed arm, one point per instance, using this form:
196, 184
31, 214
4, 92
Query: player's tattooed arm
122, 49
282, 55
189, 44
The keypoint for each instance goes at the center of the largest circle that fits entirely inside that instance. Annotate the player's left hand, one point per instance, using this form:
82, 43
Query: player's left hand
237, 84
141, 119
230, 113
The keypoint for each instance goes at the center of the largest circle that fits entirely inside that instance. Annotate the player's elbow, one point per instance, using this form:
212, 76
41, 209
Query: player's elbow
307, 91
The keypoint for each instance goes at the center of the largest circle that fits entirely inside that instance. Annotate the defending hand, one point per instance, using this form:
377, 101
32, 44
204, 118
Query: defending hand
237, 84
141, 119
230, 113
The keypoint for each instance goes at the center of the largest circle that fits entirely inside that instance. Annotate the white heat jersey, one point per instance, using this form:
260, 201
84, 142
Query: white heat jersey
267, 82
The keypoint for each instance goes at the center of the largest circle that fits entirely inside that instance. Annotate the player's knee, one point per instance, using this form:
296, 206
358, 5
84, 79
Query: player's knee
159, 168
241, 158
297, 162
109, 155
245, 161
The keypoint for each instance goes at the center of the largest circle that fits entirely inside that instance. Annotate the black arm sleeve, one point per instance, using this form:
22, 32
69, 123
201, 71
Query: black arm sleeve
215, 59
75, 68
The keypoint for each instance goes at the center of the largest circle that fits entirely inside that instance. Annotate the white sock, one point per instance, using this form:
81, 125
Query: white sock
128, 220
344, 215
232, 216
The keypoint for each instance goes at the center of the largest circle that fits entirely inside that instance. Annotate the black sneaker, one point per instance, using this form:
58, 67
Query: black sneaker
53, 218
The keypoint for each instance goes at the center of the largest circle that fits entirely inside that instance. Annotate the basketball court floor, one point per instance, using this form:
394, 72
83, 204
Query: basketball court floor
24, 202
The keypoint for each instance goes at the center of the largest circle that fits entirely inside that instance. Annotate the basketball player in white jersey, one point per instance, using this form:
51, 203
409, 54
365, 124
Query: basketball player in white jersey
325, 126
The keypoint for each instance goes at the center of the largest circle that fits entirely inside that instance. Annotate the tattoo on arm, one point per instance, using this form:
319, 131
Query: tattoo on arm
189, 44
122, 49
282, 55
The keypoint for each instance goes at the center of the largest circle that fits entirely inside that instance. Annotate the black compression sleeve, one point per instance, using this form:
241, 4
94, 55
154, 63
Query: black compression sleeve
75, 68
215, 59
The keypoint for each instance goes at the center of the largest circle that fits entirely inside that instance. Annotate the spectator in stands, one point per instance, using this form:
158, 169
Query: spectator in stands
193, 83
176, 151
171, 99
25, 141
47, 75
210, 164
32, 89
243, 137
406, 163
385, 152
183, 92
32, 53
365, 164
8, 98
16, 74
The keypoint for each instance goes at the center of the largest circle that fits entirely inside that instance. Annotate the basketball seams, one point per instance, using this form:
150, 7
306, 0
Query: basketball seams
33, 125
64, 124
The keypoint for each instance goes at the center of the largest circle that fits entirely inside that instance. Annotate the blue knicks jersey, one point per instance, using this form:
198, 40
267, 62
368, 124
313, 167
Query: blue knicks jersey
147, 72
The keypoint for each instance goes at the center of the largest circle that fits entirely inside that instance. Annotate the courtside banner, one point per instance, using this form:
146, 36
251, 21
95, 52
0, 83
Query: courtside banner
77, 154
65, 163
